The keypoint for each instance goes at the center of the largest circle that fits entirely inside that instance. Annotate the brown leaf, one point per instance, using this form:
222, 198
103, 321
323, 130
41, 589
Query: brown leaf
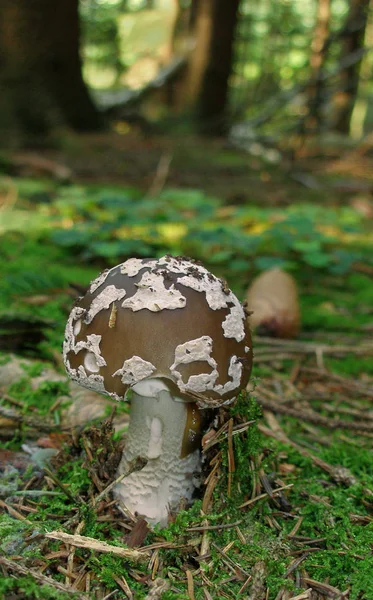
136, 538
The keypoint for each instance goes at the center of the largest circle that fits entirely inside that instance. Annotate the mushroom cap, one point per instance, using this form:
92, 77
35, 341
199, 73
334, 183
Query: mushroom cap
165, 318
273, 299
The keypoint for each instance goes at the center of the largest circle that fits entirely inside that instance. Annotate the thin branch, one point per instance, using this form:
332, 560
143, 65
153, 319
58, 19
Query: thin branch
89, 543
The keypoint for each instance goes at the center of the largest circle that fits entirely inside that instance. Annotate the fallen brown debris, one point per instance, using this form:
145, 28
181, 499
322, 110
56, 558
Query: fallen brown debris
82, 541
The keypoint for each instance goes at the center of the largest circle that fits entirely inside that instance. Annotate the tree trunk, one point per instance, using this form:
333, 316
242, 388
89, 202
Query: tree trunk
199, 34
212, 102
319, 48
40, 69
352, 43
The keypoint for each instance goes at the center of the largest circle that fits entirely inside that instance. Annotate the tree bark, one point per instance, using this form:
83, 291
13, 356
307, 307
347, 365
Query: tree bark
212, 102
319, 48
200, 25
352, 43
40, 69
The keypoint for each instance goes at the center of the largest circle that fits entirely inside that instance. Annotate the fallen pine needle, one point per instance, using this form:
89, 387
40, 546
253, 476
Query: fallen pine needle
213, 527
243, 588
231, 463
190, 585
124, 586
261, 496
14, 513
306, 595
324, 588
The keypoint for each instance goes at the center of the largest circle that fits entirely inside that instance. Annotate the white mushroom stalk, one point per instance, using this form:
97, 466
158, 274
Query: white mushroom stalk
176, 336
156, 430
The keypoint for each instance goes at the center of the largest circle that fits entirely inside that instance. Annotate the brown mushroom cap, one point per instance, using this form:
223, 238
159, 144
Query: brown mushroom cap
168, 318
273, 299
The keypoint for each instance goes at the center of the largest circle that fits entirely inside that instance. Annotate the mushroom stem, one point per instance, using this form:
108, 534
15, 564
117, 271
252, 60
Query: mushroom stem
156, 433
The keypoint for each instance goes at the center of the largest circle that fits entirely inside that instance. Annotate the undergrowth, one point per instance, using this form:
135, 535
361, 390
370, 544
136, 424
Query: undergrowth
49, 260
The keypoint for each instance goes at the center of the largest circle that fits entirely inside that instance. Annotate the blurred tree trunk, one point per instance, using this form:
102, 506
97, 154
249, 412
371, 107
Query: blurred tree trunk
204, 86
193, 12
352, 49
173, 13
213, 96
40, 69
318, 57
200, 25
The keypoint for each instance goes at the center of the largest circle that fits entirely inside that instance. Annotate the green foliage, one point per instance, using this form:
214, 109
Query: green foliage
38, 400
100, 224
338, 304
25, 586
272, 45
273, 49
100, 34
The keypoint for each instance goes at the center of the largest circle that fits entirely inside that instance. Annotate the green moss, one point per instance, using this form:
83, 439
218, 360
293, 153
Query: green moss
328, 510
25, 586
338, 306
350, 365
11, 534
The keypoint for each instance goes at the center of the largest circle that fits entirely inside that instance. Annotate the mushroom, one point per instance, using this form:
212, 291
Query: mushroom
272, 298
173, 338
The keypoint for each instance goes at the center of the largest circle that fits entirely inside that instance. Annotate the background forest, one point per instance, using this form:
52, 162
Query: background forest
239, 134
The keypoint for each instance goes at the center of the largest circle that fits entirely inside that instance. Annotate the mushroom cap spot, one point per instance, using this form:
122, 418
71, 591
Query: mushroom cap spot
96, 283
132, 266
92, 381
92, 344
182, 265
77, 327
198, 350
233, 324
90, 363
101, 302
134, 369
215, 296
235, 373
76, 314
177, 322
153, 295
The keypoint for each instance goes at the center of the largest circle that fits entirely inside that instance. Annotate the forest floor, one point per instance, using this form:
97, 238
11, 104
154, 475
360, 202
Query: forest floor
286, 508
327, 166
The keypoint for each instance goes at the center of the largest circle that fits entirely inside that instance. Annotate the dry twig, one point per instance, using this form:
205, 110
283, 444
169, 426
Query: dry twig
89, 543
